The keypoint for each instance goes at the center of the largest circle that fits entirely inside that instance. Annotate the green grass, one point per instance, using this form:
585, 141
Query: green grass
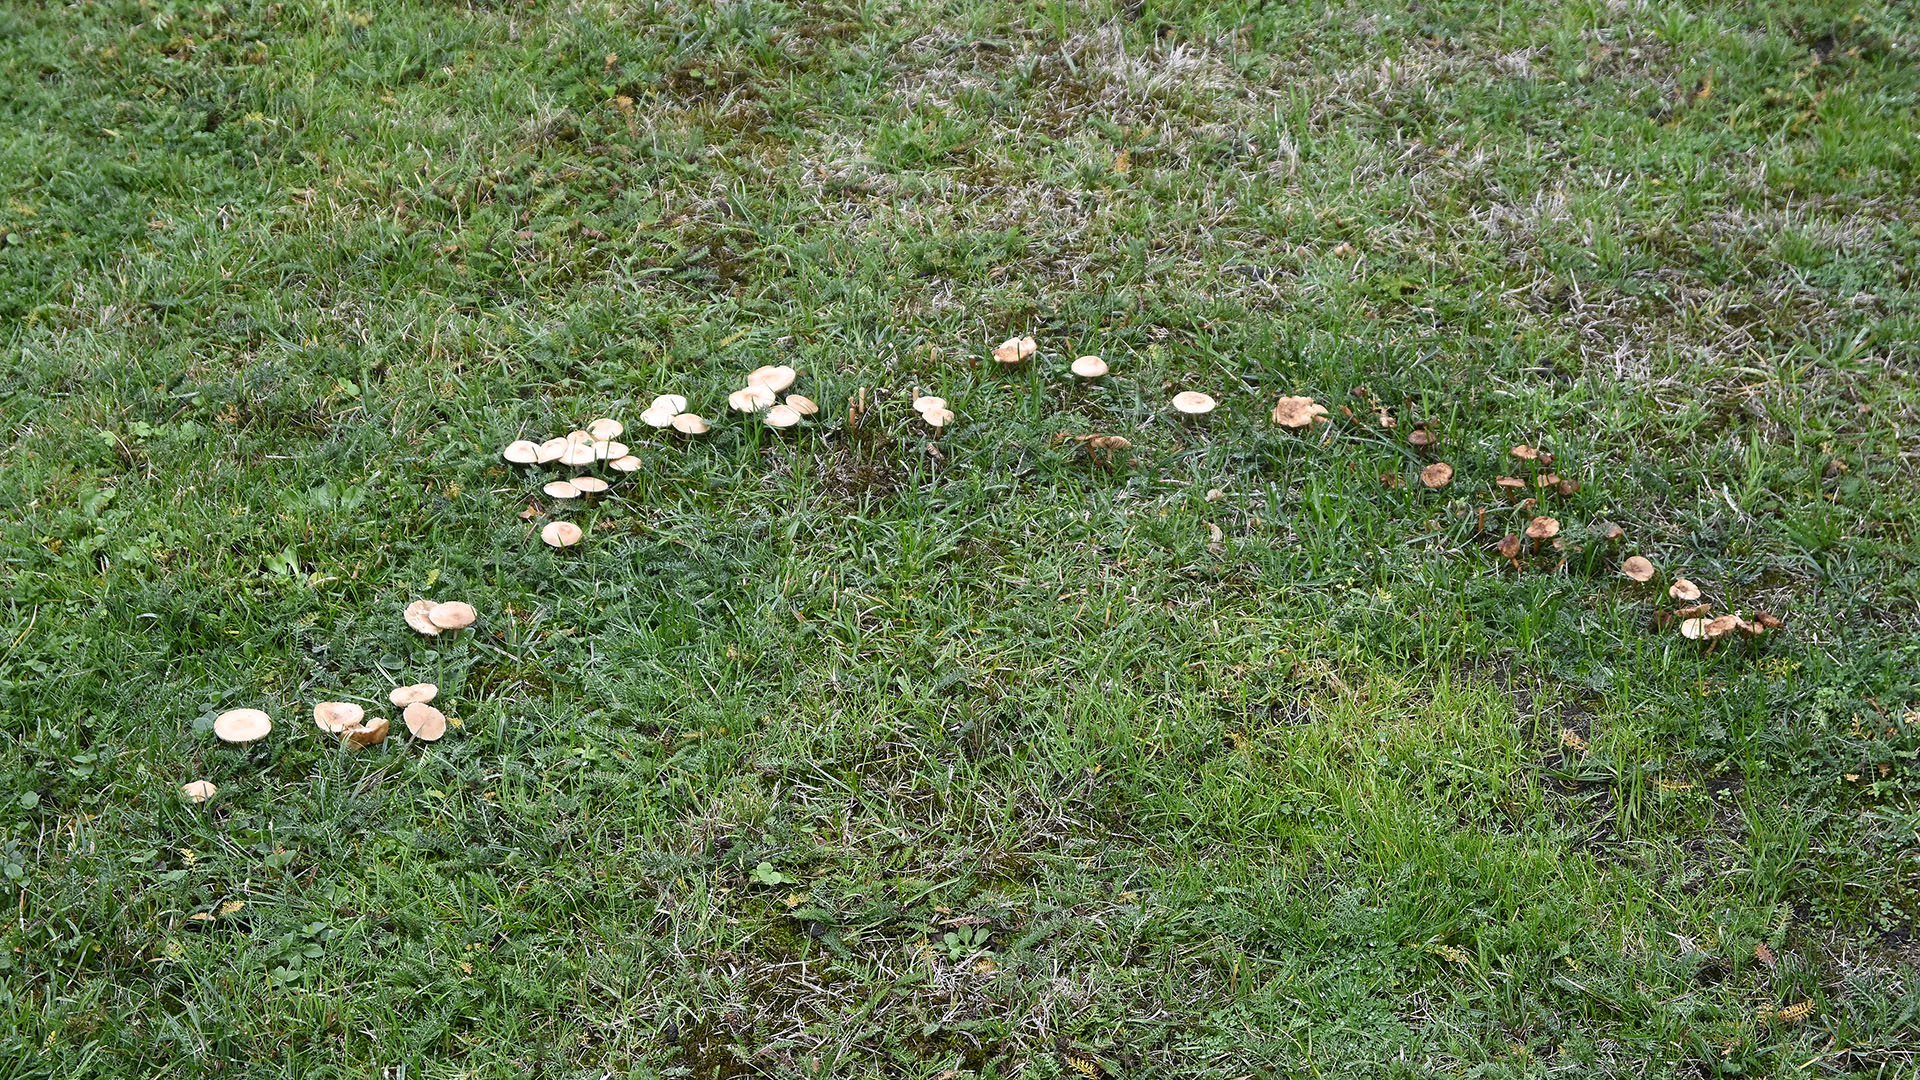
827, 755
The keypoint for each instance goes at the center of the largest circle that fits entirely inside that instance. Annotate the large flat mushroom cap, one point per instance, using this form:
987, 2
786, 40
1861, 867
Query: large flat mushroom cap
802, 404
607, 451
928, 403
671, 404
199, 791
521, 452
1298, 412
605, 428
561, 489
782, 416
588, 485
578, 454
1693, 629
657, 418
775, 377
1543, 528
1437, 475
938, 418
416, 616
1193, 403
1089, 367
690, 424
1637, 568
407, 695
426, 722
561, 534
751, 398
333, 717
1684, 590
552, 450
625, 464
1015, 349
453, 615
242, 725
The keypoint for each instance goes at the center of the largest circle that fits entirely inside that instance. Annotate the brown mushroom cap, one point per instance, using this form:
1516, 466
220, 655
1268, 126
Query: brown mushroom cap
774, 377
199, 791
605, 428
671, 404
402, 696
751, 398
426, 722
333, 717
560, 489
781, 416
550, 451
1015, 349
1193, 403
521, 452
625, 464
416, 615
937, 418
588, 485
1509, 546
1510, 482
370, 733
1637, 568
1419, 438
1109, 443
1437, 475
1525, 452
1684, 590
802, 404
242, 725
1543, 528
690, 424
561, 534
1298, 412
1089, 367
1724, 625
928, 403
452, 615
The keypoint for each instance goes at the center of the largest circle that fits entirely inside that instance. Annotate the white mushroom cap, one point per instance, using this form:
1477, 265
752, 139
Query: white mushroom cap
551, 450
589, 485
690, 424
199, 791
782, 416
802, 404
775, 377
625, 464
521, 452
407, 695
657, 417
242, 725
928, 404
416, 615
1193, 403
561, 534
605, 428
561, 489
426, 722
578, 454
751, 398
671, 404
1089, 367
453, 615
607, 451
937, 417
333, 717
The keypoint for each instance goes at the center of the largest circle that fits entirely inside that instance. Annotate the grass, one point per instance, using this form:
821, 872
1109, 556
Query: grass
828, 755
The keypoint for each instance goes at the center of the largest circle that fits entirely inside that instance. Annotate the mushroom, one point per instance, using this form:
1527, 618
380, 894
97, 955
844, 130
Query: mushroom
1724, 625
937, 418
416, 615
1193, 403
774, 377
589, 485
402, 696
657, 417
605, 429
371, 733
1298, 412
521, 452
561, 489
1015, 349
1637, 568
1511, 483
782, 416
690, 424
1683, 590
578, 454
1089, 367
750, 398
242, 725
1525, 452
1420, 439
1509, 546
561, 534
928, 404
1109, 443
199, 791
624, 464
802, 404
1543, 528
1693, 629
671, 404
333, 717
1437, 475
551, 451
607, 451
426, 722
453, 615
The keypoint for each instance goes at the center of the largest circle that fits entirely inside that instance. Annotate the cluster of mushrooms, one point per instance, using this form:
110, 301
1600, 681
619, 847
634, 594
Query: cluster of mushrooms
596, 444
762, 393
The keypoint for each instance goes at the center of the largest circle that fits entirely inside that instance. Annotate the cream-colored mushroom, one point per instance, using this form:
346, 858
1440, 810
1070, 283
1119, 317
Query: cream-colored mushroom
671, 404
416, 616
452, 615
751, 398
561, 534
937, 418
242, 725
775, 377
1193, 403
1637, 568
1298, 412
1683, 590
369, 733
625, 464
333, 717
1015, 349
802, 404
561, 489
199, 791
402, 696
426, 722
657, 418
607, 451
521, 452
606, 428
588, 485
578, 454
928, 404
1089, 367
781, 416
551, 451
690, 424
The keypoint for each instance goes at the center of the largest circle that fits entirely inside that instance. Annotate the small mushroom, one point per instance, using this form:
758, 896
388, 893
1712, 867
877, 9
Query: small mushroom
426, 722
561, 534
1109, 443
453, 615
626, 464
937, 418
1089, 367
1637, 568
371, 733
1298, 412
607, 451
561, 489
1420, 439
1724, 625
657, 417
752, 397
416, 616
928, 404
605, 429
199, 791
774, 377
1525, 452
521, 452
781, 416
1693, 629
1543, 528
589, 485
1437, 475
333, 717
1509, 546
1511, 483
690, 424
242, 725
1193, 403
671, 404
578, 454
551, 451
1015, 350
402, 696
1683, 590
802, 404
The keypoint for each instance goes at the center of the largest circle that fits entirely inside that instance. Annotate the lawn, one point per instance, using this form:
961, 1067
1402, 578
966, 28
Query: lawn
865, 749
